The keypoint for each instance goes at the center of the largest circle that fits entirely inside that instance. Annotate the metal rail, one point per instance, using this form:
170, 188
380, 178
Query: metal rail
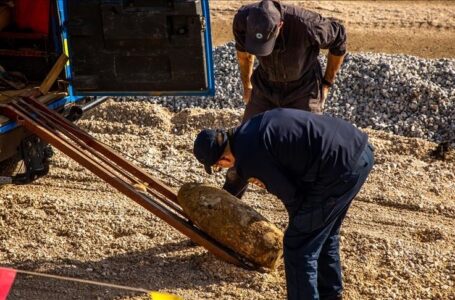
115, 170
66, 127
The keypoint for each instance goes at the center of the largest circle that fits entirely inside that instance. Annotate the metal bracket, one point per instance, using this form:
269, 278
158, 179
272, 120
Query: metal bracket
5, 180
203, 24
35, 153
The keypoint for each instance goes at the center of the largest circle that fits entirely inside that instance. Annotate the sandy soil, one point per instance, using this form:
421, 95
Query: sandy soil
398, 240
421, 28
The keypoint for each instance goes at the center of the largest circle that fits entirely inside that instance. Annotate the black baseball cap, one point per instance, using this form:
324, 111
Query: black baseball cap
261, 26
208, 149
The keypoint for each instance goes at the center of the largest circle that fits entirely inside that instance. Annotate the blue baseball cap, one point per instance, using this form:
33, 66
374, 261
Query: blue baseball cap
208, 148
261, 27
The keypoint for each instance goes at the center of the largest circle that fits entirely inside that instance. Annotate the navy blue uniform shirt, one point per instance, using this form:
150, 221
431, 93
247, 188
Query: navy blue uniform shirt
288, 148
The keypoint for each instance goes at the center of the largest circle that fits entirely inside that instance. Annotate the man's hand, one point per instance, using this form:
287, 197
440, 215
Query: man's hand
325, 93
247, 94
256, 182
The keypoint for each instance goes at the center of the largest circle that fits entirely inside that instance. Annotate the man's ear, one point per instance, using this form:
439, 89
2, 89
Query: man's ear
280, 24
225, 161
224, 158
222, 161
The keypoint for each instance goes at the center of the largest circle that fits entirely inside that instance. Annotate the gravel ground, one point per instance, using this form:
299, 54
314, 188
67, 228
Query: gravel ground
397, 241
422, 28
402, 94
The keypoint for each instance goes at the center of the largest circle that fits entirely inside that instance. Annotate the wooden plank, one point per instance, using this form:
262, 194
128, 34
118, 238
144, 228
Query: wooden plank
53, 74
5, 96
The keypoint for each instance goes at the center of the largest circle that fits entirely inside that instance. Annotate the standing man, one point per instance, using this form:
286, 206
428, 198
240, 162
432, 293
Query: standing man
286, 40
315, 165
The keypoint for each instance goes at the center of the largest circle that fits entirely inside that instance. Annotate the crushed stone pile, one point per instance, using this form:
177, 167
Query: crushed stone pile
401, 94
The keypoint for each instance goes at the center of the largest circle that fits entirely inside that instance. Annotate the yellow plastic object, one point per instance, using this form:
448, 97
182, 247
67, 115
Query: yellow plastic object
163, 296
65, 50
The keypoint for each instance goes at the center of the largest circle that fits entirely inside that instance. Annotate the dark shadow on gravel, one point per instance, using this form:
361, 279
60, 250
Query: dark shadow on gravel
172, 266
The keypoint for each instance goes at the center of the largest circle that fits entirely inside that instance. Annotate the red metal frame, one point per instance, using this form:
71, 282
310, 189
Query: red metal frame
113, 169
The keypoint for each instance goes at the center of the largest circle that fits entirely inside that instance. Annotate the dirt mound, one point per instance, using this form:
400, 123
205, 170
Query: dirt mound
391, 144
126, 116
409, 176
197, 119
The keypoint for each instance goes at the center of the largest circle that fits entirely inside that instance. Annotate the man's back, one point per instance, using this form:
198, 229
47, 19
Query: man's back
303, 146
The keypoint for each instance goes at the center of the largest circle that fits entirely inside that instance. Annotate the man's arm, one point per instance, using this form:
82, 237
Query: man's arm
327, 33
333, 66
246, 62
274, 180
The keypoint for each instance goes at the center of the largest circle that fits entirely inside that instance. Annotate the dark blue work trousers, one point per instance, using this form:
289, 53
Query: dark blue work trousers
312, 239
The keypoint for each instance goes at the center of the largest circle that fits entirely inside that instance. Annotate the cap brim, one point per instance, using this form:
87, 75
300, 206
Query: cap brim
259, 49
208, 169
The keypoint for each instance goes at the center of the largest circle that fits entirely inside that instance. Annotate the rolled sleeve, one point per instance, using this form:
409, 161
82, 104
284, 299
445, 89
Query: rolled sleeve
327, 33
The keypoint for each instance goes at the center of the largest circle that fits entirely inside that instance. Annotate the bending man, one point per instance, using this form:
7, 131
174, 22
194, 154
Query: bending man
316, 165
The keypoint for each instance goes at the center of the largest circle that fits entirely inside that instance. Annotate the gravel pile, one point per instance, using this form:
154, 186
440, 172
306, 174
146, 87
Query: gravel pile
401, 94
